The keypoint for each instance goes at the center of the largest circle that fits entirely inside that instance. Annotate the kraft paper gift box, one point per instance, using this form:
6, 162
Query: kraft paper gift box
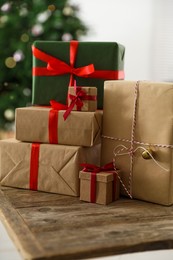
138, 136
106, 191
44, 167
82, 98
57, 63
37, 124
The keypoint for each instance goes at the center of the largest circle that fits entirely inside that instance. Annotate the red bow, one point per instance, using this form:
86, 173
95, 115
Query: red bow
96, 169
57, 106
78, 101
56, 66
93, 169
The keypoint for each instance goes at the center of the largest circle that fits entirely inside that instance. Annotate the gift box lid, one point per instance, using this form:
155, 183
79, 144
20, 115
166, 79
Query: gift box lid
100, 177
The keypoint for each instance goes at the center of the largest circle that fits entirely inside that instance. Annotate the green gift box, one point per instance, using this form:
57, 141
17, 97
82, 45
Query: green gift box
57, 64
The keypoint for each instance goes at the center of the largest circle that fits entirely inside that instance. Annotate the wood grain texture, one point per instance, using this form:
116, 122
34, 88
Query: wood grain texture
51, 226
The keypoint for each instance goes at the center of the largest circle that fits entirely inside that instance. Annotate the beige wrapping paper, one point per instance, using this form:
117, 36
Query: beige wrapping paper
59, 165
104, 187
88, 105
151, 180
80, 128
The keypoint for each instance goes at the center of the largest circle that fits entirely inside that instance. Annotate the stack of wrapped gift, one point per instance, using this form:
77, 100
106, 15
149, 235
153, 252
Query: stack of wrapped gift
138, 136
63, 128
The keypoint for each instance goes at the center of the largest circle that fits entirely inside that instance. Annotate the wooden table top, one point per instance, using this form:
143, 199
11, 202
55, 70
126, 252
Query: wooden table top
51, 226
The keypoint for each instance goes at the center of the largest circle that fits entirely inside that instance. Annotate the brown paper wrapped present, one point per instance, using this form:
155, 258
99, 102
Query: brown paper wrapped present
82, 98
99, 187
138, 136
45, 125
44, 167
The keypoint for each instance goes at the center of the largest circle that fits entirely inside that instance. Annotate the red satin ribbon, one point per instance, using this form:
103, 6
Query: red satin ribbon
77, 100
93, 169
57, 67
53, 121
34, 166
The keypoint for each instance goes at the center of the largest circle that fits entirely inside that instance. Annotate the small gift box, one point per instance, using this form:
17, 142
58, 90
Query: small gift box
138, 135
44, 167
47, 125
99, 186
82, 98
56, 64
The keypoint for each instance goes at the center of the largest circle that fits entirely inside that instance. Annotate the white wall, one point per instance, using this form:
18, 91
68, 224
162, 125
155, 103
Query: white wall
137, 25
162, 49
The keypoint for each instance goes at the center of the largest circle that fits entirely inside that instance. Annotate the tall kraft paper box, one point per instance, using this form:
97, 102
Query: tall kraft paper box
150, 180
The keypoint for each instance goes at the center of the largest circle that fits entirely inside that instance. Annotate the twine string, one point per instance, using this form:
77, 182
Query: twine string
137, 142
130, 151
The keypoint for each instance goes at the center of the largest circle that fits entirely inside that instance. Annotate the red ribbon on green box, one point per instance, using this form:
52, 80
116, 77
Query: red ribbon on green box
56, 67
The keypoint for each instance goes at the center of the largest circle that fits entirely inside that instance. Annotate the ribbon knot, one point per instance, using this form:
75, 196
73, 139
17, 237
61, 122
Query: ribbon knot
77, 100
56, 67
96, 169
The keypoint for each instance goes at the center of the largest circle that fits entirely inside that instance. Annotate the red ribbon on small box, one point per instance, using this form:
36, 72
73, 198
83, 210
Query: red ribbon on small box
53, 121
77, 100
93, 169
56, 67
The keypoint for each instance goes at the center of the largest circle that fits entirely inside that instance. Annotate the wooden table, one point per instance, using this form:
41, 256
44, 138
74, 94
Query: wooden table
51, 226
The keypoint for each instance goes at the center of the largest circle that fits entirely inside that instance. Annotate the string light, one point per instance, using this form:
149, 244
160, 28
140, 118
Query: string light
23, 11
18, 55
51, 8
43, 17
66, 37
10, 62
5, 7
67, 11
37, 30
9, 114
24, 37
4, 19
26, 92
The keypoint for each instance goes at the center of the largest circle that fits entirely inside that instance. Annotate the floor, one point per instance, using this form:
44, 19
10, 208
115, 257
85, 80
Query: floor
8, 251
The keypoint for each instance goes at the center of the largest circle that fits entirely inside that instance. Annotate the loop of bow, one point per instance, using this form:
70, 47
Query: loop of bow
57, 67
57, 106
96, 169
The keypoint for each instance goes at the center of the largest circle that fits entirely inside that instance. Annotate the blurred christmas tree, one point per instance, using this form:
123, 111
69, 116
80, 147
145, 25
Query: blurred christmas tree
21, 23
